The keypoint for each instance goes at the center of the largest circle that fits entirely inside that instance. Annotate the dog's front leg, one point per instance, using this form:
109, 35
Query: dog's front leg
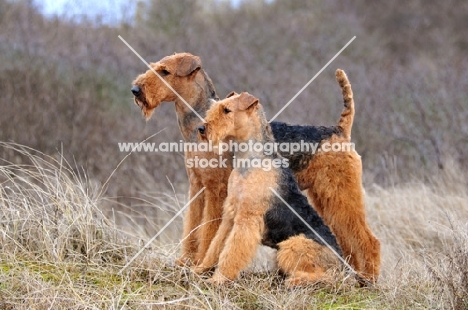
240, 248
192, 222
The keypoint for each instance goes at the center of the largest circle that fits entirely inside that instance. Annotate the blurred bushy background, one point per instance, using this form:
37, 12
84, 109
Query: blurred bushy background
67, 193
65, 80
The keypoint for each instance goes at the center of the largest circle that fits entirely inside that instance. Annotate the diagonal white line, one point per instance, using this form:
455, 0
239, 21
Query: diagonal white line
160, 231
313, 230
311, 80
164, 81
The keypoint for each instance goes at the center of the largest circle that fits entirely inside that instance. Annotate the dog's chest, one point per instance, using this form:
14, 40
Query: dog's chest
253, 185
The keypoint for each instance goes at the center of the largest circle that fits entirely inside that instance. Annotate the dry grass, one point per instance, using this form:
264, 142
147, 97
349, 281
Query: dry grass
64, 84
59, 251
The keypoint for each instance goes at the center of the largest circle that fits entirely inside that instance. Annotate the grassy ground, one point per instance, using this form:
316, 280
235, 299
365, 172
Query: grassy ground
58, 250
65, 90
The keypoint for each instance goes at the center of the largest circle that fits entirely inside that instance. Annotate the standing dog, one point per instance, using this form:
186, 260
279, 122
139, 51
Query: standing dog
340, 195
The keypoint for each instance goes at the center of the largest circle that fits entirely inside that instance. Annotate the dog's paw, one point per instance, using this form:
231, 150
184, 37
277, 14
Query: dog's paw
218, 279
200, 269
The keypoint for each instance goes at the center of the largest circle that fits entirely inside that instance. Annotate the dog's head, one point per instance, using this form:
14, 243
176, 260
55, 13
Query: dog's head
231, 118
178, 71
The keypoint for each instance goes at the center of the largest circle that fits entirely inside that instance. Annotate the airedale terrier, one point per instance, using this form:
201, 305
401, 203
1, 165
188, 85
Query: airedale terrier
334, 186
253, 214
185, 75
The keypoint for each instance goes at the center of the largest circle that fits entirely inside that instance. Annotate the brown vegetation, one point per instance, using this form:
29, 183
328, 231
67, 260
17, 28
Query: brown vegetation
65, 91
64, 83
57, 250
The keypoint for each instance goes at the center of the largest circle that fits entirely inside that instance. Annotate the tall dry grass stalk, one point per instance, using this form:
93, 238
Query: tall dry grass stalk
48, 210
66, 82
58, 249
419, 226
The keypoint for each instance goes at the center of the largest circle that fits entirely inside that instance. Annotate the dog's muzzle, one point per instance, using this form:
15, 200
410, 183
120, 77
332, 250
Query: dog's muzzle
136, 90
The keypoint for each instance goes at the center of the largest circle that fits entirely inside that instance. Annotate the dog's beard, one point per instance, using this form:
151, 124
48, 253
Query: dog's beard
145, 110
147, 113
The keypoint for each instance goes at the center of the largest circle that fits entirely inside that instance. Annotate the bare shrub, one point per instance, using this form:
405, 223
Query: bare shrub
66, 82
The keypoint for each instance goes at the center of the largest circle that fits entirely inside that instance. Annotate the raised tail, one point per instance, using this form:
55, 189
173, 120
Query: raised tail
347, 116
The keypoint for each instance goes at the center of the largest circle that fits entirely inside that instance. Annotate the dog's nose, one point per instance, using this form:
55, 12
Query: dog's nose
201, 129
136, 90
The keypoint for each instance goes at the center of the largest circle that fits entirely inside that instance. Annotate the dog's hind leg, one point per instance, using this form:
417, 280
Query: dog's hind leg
305, 261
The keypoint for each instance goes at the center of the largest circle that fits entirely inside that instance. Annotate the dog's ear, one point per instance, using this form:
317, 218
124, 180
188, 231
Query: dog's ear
233, 93
247, 101
188, 65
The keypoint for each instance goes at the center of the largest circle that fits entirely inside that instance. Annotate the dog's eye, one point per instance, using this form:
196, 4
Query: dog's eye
164, 72
226, 110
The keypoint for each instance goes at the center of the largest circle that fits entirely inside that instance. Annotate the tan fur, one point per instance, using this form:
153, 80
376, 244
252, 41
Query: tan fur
204, 214
335, 190
333, 182
337, 195
347, 116
338, 201
242, 226
183, 69
305, 261
239, 124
